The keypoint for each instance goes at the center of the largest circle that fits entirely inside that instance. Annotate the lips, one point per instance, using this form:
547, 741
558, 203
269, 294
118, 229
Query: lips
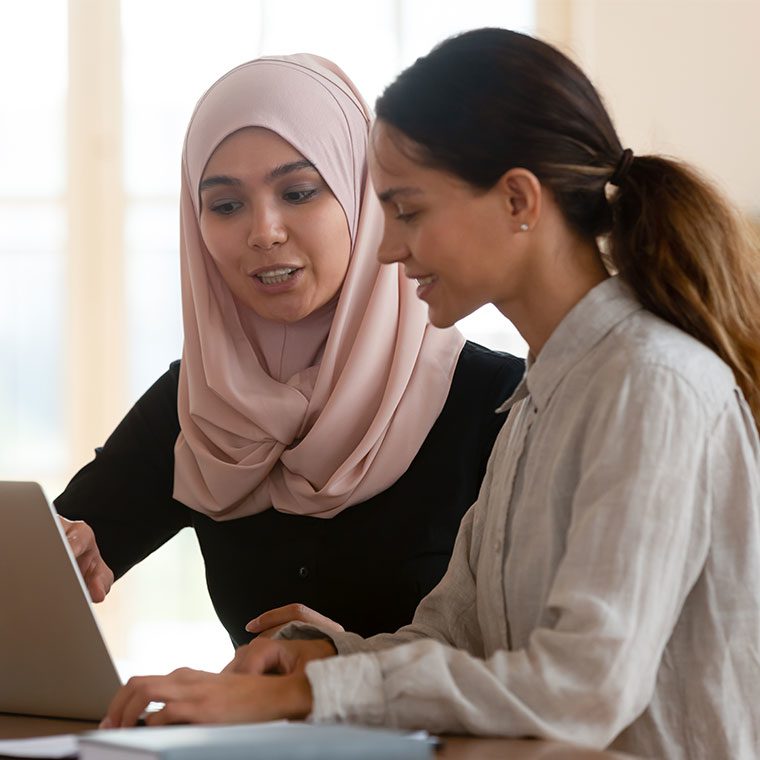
425, 283
275, 274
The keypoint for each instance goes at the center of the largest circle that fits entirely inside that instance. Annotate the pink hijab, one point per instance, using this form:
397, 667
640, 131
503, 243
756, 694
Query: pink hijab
314, 416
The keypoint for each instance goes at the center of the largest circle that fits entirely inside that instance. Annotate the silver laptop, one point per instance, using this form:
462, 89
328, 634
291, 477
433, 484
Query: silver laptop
53, 659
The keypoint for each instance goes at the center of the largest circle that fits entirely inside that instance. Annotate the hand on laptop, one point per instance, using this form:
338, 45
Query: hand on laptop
98, 577
269, 623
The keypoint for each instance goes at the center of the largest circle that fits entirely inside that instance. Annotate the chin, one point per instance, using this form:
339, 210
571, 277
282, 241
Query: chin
441, 321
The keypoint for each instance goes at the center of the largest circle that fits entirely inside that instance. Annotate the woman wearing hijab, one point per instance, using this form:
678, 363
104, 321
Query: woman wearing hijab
320, 437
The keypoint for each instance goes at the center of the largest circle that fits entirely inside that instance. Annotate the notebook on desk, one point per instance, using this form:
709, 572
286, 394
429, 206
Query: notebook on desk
280, 740
53, 659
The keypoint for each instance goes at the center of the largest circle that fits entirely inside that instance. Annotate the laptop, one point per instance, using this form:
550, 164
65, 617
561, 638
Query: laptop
53, 659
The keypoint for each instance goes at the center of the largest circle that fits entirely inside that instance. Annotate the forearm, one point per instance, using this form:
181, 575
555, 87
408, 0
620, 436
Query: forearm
428, 685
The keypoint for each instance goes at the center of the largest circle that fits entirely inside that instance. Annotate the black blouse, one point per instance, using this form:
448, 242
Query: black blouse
367, 567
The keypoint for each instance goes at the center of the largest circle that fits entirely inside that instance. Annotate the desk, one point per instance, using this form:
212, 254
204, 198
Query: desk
455, 747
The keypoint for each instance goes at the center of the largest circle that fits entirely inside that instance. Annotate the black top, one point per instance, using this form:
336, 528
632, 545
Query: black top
366, 568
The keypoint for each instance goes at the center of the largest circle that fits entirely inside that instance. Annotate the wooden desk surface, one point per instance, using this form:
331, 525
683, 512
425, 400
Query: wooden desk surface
454, 748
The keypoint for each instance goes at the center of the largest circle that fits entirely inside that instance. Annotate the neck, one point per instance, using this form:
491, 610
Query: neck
562, 273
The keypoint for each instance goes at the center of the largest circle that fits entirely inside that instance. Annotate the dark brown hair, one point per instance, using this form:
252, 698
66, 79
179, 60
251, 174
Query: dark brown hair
489, 100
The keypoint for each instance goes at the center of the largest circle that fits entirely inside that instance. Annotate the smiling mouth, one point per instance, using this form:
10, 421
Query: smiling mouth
276, 276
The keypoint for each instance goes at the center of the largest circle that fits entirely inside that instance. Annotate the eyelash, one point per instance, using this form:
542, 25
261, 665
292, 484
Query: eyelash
304, 195
405, 217
227, 208
219, 208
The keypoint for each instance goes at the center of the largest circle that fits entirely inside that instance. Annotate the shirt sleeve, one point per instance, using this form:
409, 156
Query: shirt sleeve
125, 493
636, 539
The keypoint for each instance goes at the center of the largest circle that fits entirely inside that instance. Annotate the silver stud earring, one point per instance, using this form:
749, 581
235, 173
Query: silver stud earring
524, 227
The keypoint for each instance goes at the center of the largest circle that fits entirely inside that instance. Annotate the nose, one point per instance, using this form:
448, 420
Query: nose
267, 228
392, 248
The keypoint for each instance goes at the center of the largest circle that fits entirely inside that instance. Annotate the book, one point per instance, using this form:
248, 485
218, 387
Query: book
281, 740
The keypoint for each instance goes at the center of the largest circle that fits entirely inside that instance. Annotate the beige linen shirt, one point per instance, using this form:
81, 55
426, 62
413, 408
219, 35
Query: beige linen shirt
605, 587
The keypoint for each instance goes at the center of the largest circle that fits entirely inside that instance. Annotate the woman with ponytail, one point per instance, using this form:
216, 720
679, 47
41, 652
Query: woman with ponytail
605, 587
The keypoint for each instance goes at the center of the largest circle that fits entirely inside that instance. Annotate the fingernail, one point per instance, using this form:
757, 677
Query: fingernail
252, 626
105, 723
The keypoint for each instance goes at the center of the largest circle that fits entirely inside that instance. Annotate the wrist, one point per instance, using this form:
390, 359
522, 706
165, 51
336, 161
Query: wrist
299, 697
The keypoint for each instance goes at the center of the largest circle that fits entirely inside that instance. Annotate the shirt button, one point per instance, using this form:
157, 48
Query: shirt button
303, 571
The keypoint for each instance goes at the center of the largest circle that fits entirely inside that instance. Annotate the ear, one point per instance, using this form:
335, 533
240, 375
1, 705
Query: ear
521, 193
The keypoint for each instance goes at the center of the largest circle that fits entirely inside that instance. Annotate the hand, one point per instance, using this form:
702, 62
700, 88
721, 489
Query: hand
98, 577
267, 624
278, 656
195, 696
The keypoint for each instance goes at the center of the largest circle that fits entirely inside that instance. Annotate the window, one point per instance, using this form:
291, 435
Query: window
33, 240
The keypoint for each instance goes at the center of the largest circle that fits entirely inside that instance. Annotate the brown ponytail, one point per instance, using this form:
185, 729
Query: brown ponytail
488, 100
681, 248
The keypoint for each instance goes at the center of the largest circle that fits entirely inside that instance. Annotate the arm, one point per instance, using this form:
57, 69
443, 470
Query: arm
636, 541
125, 493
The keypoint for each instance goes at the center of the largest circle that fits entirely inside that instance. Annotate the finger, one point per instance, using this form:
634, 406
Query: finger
121, 701
98, 577
277, 616
77, 541
139, 691
269, 633
80, 536
135, 707
281, 616
102, 580
96, 591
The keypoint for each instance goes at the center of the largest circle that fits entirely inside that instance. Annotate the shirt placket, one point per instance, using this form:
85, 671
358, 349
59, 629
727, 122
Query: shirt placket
510, 452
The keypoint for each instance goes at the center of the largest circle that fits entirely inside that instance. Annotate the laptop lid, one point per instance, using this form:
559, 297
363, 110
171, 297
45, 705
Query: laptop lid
53, 659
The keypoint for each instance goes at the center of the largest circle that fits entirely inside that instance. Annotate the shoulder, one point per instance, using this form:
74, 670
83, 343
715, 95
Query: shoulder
169, 381
165, 387
173, 370
157, 407
482, 370
646, 349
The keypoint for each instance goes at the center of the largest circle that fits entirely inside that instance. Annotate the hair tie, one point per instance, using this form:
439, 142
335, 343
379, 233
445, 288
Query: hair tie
623, 165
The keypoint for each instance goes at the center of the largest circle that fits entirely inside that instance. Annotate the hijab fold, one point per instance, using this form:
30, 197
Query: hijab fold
314, 416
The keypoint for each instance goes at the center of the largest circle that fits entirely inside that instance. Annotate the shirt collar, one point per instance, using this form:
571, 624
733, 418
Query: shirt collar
582, 328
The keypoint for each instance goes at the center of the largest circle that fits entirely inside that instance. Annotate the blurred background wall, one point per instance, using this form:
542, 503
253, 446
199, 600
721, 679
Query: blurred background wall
681, 77
97, 94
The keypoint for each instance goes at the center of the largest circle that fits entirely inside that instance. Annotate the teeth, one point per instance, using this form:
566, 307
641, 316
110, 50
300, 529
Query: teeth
274, 276
425, 280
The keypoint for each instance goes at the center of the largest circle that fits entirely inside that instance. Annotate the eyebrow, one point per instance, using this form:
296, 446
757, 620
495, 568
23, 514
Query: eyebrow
278, 171
220, 179
395, 192
294, 166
